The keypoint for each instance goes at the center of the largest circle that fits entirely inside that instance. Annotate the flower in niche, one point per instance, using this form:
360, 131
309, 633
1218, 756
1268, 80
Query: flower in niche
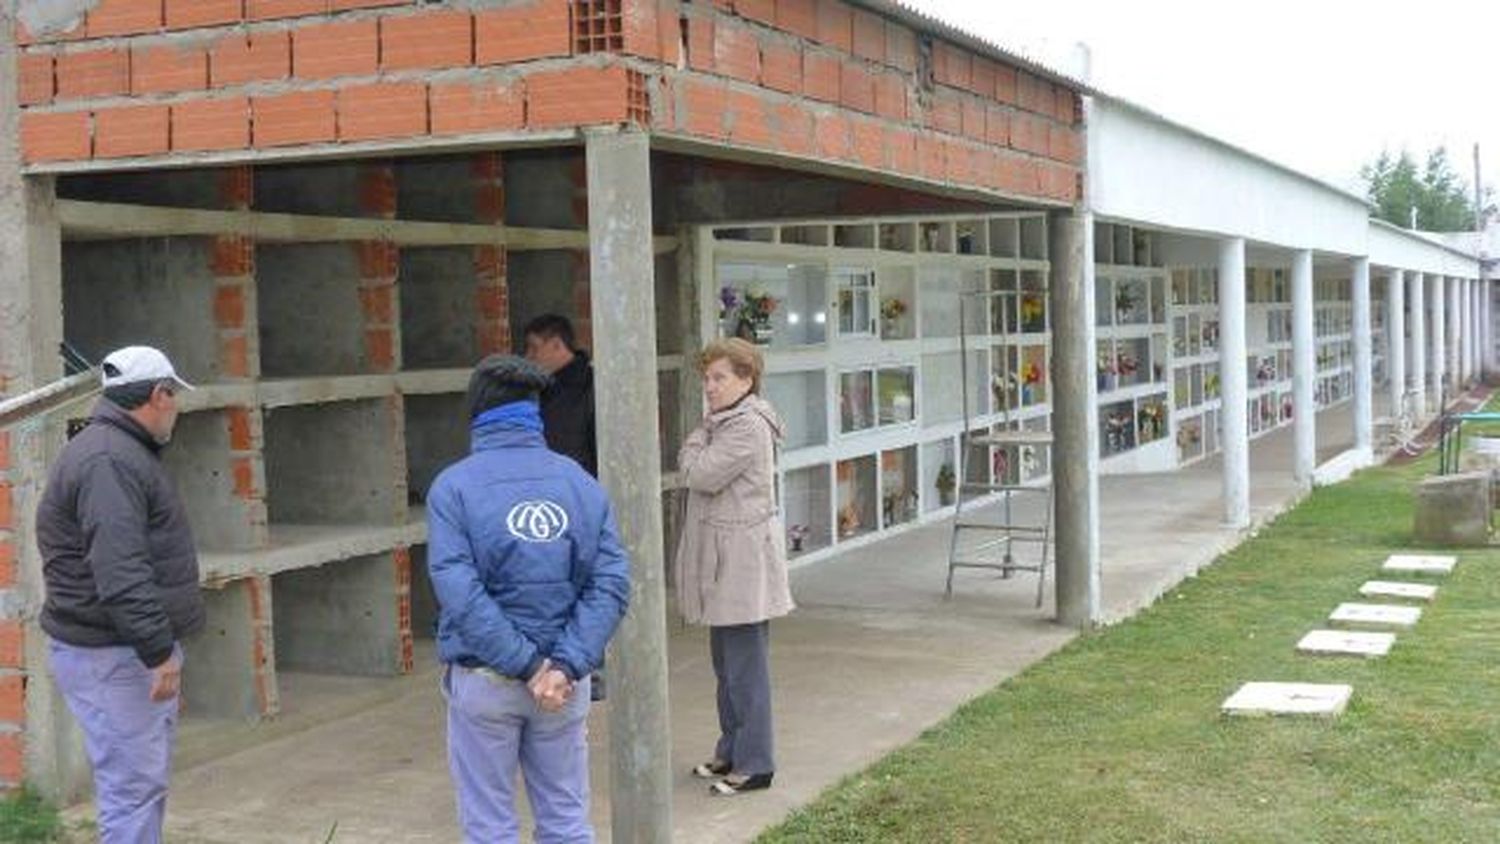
892, 308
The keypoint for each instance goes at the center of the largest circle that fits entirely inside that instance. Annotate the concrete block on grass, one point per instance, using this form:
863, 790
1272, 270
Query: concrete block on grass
1346, 643
1385, 615
1316, 699
1454, 510
1419, 563
1393, 589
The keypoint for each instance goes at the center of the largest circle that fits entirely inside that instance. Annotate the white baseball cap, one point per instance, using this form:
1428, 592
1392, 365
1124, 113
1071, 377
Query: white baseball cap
134, 364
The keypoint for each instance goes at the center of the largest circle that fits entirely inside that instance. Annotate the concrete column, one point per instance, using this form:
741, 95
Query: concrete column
1364, 376
1234, 382
1417, 297
1304, 370
623, 304
1437, 342
1486, 343
38, 739
1075, 419
1448, 305
1486, 328
1395, 322
1460, 333
1471, 329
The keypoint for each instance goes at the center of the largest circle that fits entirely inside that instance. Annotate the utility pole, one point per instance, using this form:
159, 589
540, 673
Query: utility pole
1478, 194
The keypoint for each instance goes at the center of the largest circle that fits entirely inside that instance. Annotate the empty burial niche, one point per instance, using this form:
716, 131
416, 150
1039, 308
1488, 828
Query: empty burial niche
226, 674
443, 189
437, 436
337, 189
424, 607
311, 321
439, 308
549, 281
193, 188
217, 488
342, 617
339, 463
144, 291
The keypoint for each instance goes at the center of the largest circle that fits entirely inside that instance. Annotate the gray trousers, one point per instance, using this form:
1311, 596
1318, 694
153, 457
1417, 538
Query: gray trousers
742, 665
127, 735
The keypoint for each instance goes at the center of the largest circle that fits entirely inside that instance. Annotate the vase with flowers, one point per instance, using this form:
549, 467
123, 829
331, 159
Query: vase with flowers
751, 314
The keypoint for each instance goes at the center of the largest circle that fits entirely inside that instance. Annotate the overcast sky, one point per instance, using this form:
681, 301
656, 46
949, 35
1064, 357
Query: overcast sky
1319, 85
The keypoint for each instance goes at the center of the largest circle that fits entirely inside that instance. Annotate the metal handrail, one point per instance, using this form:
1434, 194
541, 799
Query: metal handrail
48, 398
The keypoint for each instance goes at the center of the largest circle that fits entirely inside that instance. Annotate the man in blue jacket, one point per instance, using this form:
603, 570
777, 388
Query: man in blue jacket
531, 582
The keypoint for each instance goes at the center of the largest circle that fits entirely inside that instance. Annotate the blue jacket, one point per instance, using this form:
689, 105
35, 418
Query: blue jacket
524, 555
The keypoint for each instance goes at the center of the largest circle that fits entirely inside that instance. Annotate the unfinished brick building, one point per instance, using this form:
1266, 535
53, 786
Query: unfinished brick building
327, 210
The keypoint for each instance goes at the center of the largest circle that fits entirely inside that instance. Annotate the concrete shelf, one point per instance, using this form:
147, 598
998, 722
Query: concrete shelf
294, 546
290, 392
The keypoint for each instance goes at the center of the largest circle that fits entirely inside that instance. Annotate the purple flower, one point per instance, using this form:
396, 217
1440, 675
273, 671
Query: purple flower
728, 299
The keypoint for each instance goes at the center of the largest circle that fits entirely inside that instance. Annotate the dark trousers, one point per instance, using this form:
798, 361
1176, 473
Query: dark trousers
742, 665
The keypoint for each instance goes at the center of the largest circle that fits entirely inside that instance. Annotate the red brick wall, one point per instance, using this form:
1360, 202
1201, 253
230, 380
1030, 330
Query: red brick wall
808, 78
821, 78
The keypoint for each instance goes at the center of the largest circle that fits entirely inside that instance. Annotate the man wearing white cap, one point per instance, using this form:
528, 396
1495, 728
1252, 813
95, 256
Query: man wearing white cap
122, 589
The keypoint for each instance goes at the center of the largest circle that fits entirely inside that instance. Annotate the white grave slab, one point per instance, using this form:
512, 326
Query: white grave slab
1322, 699
1391, 615
1420, 563
1347, 643
1392, 589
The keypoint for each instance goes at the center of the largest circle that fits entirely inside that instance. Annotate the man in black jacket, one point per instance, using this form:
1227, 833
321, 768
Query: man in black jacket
122, 589
568, 404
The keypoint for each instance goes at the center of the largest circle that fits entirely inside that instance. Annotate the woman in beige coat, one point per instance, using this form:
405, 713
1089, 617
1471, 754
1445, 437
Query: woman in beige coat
731, 561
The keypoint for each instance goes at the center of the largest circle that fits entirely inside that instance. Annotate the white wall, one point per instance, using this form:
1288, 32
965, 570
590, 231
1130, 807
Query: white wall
1145, 170
1394, 247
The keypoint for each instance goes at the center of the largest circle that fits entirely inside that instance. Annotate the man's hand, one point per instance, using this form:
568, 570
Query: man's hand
550, 687
166, 679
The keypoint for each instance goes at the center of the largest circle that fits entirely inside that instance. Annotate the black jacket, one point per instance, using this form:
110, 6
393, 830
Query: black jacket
568, 413
117, 552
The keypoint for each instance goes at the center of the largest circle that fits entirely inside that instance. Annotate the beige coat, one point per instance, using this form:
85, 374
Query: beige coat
731, 560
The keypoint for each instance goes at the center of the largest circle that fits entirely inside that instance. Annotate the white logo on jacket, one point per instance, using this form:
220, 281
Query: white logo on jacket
537, 521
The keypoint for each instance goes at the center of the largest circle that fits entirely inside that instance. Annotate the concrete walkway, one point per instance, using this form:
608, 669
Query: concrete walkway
872, 658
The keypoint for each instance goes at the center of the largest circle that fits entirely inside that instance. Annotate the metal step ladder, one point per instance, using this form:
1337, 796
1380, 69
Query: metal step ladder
977, 541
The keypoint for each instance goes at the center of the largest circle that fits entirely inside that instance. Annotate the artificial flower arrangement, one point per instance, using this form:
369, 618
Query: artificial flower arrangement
945, 484
796, 535
750, 315
892, 308
1032, 310
1152, 420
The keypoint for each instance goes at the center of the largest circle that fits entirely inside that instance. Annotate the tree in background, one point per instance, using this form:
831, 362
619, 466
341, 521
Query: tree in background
1444, 200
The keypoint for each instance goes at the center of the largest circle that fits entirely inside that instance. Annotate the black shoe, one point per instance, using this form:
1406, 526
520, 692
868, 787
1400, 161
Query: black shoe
712, 770
730, 786
596, 687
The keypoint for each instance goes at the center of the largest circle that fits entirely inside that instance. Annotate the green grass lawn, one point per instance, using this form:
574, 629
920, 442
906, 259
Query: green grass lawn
1118, 737
27, 819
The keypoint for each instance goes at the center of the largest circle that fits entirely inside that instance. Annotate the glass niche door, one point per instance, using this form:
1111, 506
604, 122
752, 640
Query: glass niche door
856, 301
778, 305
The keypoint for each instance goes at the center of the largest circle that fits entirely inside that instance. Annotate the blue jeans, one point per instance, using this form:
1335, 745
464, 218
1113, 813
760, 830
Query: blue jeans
128, 737
494, 728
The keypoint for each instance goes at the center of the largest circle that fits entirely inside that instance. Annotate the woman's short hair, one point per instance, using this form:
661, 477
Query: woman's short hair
744, 359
